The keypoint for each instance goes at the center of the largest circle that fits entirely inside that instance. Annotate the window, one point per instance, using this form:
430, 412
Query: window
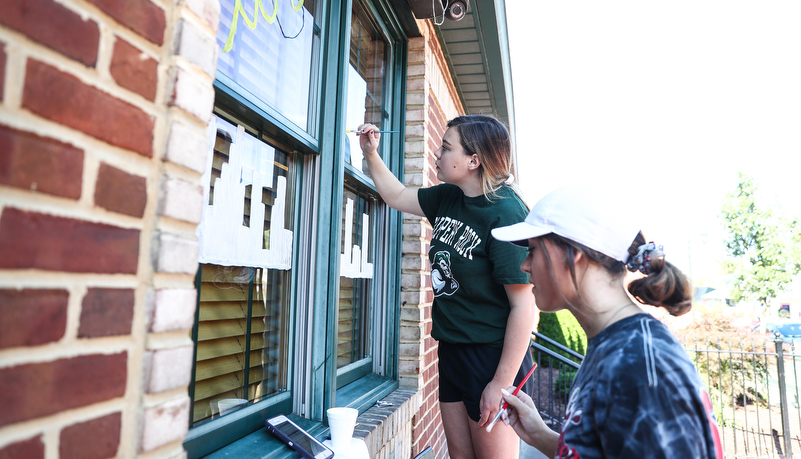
245, 254
268, 50
354, 327
365, 83
299, 258
359, 284
240, 327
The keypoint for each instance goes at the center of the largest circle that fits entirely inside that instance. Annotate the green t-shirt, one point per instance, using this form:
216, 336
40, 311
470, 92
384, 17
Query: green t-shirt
469, 267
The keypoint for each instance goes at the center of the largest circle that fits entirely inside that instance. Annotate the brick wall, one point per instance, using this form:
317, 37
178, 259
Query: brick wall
103, 113
430, 104
387, 430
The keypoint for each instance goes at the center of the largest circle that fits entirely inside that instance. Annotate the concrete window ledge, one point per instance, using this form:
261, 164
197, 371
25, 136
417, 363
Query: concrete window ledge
387, 430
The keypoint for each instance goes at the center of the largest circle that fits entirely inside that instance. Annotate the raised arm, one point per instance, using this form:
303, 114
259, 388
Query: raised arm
392, 191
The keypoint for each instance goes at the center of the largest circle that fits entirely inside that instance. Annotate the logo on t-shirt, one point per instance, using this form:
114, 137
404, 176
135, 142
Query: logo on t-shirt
572, 418
442, 280
456, 234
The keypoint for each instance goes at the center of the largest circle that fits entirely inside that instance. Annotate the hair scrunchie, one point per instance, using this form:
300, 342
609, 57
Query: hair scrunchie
650, 258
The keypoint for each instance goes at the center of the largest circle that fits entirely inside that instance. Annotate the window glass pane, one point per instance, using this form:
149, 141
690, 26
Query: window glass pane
243, 324
246, 254
267, 47
356, 280
368, 50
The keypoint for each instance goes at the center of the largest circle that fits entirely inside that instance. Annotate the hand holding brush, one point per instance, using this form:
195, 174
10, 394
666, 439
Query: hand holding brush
506, 404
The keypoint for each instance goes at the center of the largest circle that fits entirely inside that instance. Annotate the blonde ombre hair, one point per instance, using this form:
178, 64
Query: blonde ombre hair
489, 139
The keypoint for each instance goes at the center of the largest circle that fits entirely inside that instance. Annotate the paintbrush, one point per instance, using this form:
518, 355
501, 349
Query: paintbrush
506, 404
375, 132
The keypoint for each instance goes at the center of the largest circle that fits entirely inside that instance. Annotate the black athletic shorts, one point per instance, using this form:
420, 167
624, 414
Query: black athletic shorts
466, 369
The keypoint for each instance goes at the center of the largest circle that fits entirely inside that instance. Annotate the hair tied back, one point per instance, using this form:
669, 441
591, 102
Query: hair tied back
650, 258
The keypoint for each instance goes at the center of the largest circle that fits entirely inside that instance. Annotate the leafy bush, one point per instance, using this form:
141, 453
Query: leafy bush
732, 369
731, 361
563, 328
724, 417
564, 382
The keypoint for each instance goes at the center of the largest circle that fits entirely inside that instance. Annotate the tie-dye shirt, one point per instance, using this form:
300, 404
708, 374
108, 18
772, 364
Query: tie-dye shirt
637, 395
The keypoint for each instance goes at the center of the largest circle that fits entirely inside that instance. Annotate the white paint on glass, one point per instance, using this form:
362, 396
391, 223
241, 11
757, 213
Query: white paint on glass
224, 239
353, 263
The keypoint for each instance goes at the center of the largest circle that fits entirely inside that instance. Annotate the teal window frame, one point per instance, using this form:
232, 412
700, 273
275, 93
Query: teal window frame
212, 435
355, 180
362, 392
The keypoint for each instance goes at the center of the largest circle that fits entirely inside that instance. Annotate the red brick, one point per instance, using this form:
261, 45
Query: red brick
119, 191
41, 241
132, 69
26, 449
2, 70
95, 439
106, 312
436, 118
36, 163
417, 430
31, 317
55, 26
63, 98
432, 144
141, 16
34, 390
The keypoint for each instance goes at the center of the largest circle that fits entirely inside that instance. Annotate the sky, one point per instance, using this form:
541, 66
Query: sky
664, 101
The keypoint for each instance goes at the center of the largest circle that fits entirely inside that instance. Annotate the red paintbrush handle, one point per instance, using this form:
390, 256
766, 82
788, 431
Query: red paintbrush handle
517, 389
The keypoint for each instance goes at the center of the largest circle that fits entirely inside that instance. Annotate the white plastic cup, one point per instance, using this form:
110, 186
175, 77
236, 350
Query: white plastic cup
227, 405
342, 421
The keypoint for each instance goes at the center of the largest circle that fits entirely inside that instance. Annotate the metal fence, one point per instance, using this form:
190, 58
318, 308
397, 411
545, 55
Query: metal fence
754, 386
556, 366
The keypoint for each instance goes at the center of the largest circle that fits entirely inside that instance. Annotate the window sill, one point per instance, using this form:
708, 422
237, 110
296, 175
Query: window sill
376, 426
363, 393
264, 445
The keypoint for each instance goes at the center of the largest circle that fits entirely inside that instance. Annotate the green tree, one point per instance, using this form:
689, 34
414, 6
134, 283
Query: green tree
764, 248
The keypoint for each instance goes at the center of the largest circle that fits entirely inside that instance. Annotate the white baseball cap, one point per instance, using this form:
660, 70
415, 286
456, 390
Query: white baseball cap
585, 215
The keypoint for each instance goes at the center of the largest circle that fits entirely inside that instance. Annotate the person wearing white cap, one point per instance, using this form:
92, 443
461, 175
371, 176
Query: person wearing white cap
636, 394
483, 309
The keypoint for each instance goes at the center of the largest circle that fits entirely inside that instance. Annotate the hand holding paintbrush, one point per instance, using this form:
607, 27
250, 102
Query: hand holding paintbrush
358, 132
506, 404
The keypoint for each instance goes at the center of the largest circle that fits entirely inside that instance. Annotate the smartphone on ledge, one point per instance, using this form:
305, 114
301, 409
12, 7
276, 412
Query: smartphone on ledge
298, 439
